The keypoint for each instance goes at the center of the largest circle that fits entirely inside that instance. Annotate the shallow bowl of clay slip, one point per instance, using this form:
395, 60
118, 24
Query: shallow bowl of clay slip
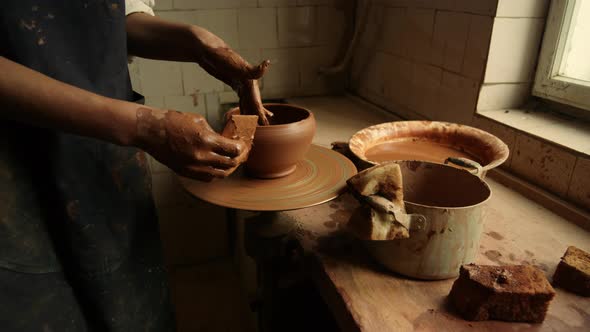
278, 147
430, 141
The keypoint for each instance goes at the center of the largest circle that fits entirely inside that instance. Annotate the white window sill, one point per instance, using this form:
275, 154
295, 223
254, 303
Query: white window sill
570, 134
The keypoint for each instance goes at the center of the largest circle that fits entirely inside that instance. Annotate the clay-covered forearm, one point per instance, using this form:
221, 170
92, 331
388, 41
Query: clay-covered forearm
154, 38
30, 97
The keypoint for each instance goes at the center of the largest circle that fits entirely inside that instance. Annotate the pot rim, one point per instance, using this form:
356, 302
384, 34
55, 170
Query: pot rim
454, 207
278, 126
467, 173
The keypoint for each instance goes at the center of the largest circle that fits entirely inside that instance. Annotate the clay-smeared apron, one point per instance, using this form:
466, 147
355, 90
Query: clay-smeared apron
79, 242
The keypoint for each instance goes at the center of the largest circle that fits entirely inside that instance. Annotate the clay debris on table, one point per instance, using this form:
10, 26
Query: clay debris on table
515, 293
241, 127
379, 189
573, 272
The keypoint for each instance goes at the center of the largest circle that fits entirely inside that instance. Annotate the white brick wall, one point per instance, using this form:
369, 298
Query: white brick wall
297, 26
514, 50
427, 58
258, 27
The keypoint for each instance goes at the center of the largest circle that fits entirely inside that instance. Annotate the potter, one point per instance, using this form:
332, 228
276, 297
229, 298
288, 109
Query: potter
79, 235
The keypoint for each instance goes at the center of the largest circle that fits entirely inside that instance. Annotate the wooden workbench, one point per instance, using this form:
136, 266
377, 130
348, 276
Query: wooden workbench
365, 297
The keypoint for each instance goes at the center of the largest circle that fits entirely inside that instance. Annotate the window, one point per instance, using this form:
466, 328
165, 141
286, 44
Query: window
563, 73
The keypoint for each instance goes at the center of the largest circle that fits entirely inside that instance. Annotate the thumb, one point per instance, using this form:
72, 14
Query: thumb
256, 72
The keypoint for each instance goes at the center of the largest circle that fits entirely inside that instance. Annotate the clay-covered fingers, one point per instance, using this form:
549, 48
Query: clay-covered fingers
251, 101
228, 66
256, 72
267, 114
187, 144
202, 173
228, 147
212, 159
263, 115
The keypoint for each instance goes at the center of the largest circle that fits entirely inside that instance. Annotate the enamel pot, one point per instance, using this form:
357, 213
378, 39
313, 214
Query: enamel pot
444, 209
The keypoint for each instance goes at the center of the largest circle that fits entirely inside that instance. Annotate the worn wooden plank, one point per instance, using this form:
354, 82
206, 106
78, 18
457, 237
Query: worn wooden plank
366, 297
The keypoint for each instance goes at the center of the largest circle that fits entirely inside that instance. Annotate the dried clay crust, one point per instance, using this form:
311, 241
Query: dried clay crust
515, 293
382, 185
573, 272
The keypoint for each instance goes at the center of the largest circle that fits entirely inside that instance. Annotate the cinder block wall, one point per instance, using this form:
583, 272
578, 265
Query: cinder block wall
298, 36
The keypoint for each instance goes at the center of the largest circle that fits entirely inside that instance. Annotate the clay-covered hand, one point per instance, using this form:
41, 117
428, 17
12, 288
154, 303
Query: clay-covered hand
220, 61
187, 144
251, 102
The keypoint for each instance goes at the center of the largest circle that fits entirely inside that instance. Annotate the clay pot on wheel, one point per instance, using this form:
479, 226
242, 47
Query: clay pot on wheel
278, 147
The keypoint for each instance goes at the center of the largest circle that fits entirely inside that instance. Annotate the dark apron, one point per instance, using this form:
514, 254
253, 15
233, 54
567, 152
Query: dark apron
79, 242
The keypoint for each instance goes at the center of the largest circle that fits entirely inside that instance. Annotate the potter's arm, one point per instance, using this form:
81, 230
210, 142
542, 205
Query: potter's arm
152, 37
184, 142
30, 97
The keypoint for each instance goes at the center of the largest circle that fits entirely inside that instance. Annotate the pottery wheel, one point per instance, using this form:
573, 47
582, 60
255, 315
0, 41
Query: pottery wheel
319, 178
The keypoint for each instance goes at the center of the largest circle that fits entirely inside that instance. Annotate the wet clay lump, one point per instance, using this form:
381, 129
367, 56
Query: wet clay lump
573, 271
514, 293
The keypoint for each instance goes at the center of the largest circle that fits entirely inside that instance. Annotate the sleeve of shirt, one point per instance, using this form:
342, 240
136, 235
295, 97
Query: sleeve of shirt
139, 6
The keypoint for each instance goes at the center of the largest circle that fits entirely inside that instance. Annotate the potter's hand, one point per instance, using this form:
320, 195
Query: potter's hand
155, 38
251, 103
187, 144
220, 61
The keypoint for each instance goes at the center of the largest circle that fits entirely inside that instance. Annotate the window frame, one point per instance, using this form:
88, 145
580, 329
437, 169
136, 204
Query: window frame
549, 84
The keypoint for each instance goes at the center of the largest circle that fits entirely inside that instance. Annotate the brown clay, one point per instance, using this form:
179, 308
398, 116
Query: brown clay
229, 67
320, 177
223, 63
428, 141
413, 149
251, 102
226, 65
279, 146
241, 127
186, 143
573, 271
515, 293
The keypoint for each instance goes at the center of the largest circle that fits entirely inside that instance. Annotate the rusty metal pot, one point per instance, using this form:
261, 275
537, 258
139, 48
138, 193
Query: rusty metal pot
444, 206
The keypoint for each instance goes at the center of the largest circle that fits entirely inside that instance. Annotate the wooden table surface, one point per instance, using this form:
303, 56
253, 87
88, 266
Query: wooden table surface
365, 297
